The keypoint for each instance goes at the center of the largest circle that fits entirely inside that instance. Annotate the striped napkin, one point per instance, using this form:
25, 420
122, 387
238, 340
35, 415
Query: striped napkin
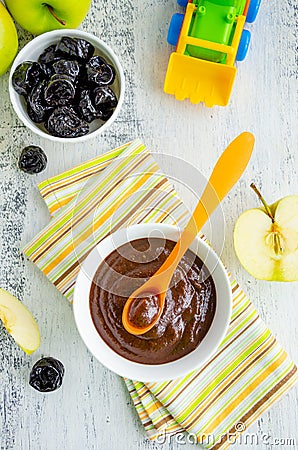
250, 370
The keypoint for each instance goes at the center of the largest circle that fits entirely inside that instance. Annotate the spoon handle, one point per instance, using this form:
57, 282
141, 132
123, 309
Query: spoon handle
227, 171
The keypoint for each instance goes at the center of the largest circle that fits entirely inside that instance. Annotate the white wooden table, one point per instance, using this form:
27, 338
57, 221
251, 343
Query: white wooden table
93, 409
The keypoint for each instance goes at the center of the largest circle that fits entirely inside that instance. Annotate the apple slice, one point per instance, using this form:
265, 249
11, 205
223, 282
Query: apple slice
266, 239
19, 322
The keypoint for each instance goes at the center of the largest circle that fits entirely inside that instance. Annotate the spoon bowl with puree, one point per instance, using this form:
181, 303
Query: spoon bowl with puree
145, 305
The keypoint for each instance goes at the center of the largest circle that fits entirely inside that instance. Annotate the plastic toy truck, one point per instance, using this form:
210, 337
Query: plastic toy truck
209, 37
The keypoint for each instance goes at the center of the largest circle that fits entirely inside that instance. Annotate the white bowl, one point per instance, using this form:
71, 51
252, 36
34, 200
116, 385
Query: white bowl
145, 372
31, 52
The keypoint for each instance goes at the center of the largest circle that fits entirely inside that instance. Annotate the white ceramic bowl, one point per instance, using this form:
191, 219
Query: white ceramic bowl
123, 366
31, 52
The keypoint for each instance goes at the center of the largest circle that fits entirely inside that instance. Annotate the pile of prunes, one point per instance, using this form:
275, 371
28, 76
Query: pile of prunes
67, 88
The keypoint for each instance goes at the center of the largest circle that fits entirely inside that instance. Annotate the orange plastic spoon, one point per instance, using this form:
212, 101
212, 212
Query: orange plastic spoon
226, 173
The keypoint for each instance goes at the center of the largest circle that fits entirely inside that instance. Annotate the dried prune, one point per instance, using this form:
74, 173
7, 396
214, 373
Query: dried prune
46, 375
32, 159
105, 114
105, 101
83, 79
64, 122
48, 55
96, 61
47, 69
75, 48
65, 67
59, 92
85, 106
36, 116
26, 76
99, 72
104, 98
36, 106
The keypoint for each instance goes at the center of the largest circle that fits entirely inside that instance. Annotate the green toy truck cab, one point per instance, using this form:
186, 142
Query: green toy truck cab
214, 21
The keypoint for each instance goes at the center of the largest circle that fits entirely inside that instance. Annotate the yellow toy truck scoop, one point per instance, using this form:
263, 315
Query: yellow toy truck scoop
199, 80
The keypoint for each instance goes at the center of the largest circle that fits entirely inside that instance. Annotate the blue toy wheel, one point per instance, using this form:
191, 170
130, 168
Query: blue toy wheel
253, 10
243, 45
175, 28
182, 3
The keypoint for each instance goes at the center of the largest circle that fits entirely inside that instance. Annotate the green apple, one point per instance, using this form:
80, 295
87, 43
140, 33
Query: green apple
266, 239
38, 16
19, 322
8, 40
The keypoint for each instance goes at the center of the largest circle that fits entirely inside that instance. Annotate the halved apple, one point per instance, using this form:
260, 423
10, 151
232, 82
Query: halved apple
19, 322
266, 239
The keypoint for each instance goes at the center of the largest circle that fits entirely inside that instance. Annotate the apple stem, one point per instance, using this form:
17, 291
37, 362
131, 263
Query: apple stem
50, 8
266, 206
